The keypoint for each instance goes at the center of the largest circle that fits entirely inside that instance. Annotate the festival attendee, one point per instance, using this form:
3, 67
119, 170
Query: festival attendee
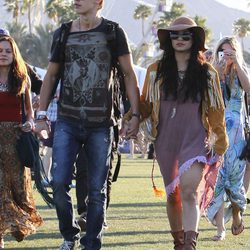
35, 80
85, 114
182, 100
18, 215
234, 79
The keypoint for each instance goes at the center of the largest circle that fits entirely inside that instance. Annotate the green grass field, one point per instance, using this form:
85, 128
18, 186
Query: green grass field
136, 218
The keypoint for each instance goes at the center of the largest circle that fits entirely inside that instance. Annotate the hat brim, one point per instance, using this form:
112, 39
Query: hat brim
163, 35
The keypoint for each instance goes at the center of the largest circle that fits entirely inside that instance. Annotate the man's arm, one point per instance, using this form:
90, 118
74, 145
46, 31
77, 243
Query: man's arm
132, 92
45, 97
48, 85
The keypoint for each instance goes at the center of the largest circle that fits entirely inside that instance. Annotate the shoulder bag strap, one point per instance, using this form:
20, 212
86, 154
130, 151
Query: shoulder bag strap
23, 110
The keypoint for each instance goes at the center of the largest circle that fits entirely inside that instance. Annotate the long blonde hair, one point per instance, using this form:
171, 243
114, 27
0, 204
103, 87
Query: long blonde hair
234, 43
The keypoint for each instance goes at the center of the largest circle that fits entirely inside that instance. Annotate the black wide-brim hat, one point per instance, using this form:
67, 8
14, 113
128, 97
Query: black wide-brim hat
182, 23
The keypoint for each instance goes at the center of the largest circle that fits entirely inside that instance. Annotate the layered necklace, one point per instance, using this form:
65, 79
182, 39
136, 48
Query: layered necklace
4, 87
181, 75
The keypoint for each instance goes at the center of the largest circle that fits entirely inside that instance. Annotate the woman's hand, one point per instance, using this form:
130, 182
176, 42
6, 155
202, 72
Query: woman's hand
230, 54
42, 128
27, 126
132, 128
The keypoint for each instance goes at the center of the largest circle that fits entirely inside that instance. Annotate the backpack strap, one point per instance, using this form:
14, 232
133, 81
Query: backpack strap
60, 43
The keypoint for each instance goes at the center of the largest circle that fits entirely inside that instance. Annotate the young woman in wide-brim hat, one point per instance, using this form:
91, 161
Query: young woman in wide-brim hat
182, 99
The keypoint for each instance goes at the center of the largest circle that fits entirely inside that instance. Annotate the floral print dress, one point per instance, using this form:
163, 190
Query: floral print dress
18, 214
229, 187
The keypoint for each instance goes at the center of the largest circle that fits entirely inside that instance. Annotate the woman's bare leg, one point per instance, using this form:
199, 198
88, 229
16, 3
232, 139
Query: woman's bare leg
219, 218
189, 183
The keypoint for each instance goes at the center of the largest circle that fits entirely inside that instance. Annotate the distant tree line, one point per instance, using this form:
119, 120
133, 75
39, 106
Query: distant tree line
35, 42
241, 28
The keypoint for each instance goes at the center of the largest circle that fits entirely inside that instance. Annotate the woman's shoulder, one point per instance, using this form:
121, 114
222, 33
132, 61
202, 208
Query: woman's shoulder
153, 66
211, 70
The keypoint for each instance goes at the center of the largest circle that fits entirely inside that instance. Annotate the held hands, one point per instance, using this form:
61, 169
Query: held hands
27, 126
130, 128
42, 128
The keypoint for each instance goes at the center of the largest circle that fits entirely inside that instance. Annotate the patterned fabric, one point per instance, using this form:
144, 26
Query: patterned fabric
86, 94
18, 215
52, 109
229, 186
212, 108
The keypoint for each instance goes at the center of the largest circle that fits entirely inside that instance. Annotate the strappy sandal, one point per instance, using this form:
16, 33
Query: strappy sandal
219, 236
236, 230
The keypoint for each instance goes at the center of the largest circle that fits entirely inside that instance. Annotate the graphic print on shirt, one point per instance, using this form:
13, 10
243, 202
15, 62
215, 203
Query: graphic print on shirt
86, 93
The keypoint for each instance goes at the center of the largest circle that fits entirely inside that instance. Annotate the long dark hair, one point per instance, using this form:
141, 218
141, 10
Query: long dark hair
196, 77
18, 76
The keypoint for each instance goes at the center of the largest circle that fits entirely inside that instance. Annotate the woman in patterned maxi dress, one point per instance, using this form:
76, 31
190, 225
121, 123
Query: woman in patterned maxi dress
18, 215
229, 188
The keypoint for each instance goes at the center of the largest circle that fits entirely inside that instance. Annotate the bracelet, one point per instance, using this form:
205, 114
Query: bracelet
41, 113
42, 118
136, 115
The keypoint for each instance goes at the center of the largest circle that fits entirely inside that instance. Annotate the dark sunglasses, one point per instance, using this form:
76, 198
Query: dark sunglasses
184, 36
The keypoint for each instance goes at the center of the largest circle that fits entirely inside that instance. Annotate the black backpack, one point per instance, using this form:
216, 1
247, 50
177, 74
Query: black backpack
116, 74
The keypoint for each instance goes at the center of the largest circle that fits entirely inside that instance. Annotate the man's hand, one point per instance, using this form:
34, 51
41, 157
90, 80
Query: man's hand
131, 128
42, 128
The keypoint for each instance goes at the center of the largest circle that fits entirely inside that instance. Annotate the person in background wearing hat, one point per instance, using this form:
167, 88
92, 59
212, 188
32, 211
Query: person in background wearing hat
234, 80
182, 98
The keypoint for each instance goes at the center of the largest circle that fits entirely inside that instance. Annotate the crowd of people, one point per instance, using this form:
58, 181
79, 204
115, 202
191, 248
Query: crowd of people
192, 109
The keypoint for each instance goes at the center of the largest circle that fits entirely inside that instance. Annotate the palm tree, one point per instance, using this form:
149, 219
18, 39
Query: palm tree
201, 21
27, 6
176, 10
60, 11
18, 32
18, 8
36, 47
13, 6
142, 12
166, 18
241, 28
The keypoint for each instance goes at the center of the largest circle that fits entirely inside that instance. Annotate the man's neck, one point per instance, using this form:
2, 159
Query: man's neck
88, 22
